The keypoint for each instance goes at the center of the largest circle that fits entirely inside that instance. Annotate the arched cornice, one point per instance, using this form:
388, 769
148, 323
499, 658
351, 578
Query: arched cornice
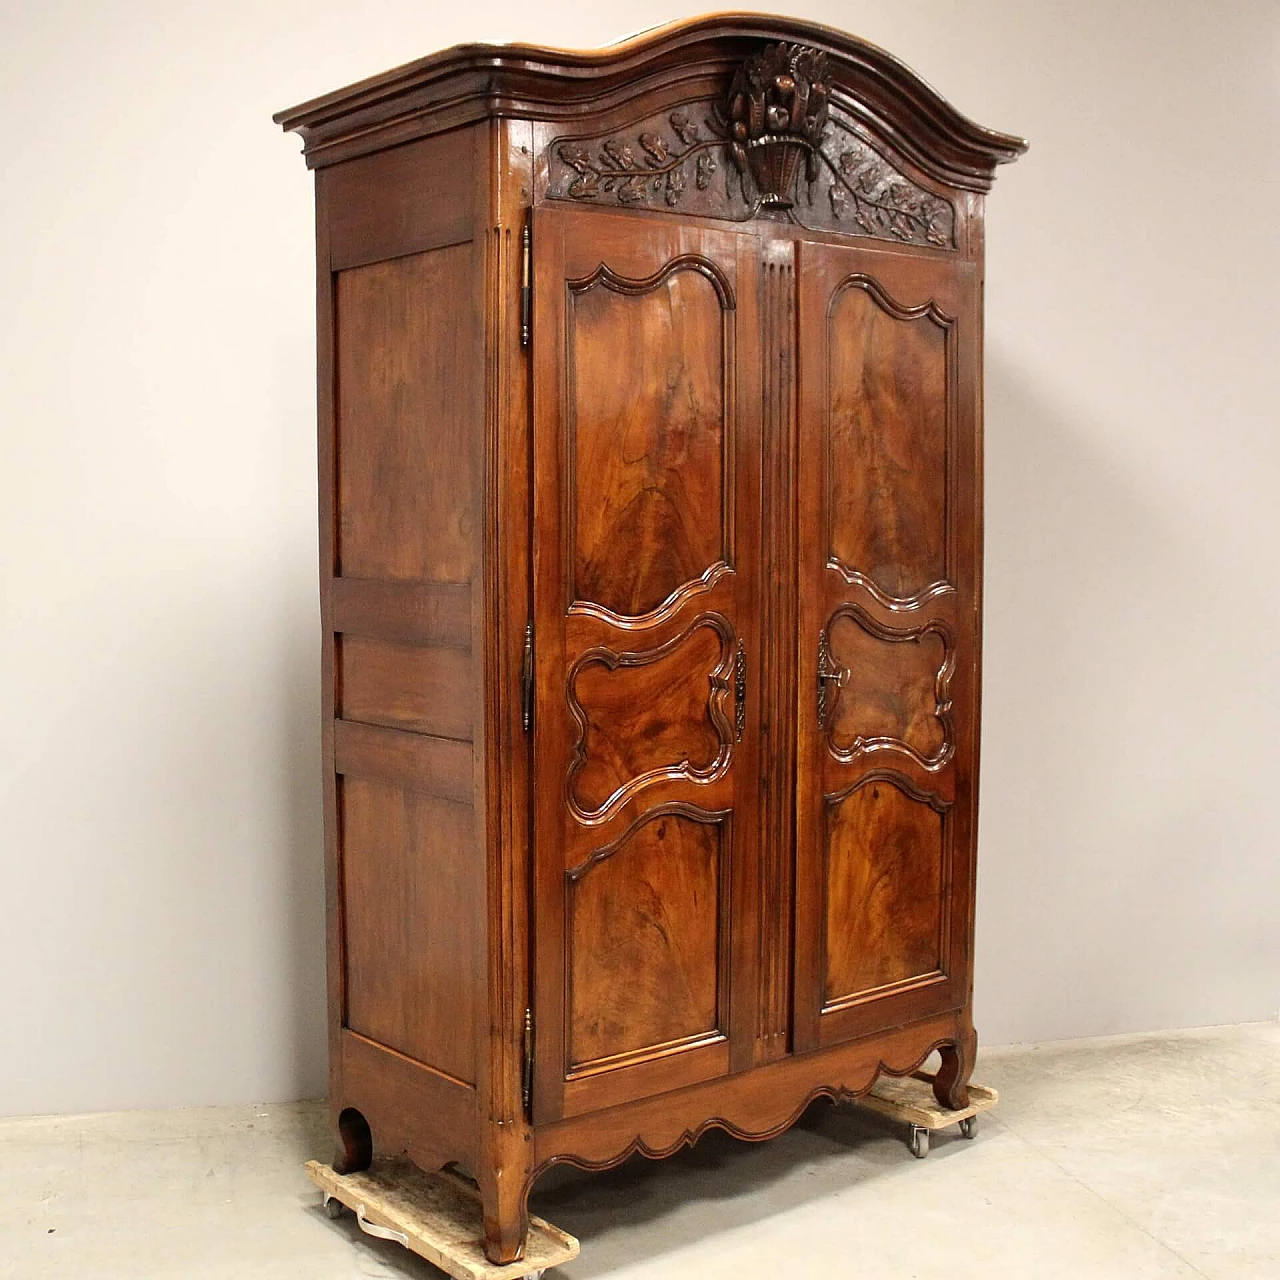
669, 64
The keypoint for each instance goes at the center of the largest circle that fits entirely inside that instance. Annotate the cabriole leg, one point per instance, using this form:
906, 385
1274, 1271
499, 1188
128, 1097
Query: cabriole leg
951, 1084
504, 1193
506, 1219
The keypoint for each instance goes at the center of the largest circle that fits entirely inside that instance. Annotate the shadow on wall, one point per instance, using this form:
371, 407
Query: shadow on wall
1111, 781
305, 1044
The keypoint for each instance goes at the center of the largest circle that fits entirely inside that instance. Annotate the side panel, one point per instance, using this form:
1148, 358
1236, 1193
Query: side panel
887, 640
406, 495
413, 989
402, 518
646, 559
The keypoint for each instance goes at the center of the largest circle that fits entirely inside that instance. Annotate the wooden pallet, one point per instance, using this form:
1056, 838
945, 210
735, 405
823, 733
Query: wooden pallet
437, 1216
910, 1099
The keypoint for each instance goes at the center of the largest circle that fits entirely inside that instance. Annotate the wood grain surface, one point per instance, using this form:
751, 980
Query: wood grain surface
649, 396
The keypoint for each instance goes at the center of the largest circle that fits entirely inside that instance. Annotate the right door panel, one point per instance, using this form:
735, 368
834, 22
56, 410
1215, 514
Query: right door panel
888, 610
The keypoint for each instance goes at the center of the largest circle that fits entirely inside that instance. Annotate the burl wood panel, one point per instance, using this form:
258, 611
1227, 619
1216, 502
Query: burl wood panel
883, 890
407, 686
648, 715
647, 439
887, 447
406, 494
644, 937
410, 876
890, 689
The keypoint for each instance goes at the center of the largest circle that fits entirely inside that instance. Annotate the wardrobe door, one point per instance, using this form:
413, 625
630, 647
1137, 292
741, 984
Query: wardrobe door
646, 568
888, 640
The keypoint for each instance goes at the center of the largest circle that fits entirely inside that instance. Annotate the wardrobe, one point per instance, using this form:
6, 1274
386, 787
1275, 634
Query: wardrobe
650, 480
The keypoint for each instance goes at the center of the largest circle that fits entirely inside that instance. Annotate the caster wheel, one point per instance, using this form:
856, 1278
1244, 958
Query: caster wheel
333, 1208
919, 1142
969, 1127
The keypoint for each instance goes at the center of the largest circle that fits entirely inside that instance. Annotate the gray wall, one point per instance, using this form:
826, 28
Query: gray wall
159, 788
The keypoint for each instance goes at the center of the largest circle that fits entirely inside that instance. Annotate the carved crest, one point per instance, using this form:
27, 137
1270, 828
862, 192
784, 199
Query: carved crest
777, 112
772, 144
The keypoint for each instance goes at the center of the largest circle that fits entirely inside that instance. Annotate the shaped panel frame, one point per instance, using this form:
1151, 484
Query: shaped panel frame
932, 978
942, 711
719, 692
932, 313
604, 276
722, 820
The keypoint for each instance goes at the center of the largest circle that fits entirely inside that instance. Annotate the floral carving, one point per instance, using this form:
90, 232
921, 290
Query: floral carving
685, 129
658, 170
773, 144
869, 191
777, 110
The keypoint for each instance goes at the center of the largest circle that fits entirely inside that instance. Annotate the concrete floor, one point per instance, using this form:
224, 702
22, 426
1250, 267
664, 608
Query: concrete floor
1131, 1157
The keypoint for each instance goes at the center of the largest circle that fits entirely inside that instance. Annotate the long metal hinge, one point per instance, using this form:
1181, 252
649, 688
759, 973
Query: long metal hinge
526, 679
526, 281
526, 1088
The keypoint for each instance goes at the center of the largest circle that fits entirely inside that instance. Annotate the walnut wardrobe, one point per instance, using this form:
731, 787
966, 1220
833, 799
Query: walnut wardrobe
650, 419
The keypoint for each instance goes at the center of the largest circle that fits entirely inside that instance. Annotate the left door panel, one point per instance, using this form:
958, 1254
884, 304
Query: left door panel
646, 572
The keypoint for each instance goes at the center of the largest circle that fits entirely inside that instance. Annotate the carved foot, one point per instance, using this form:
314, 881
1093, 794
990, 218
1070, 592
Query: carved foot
951, 1084
505, 1177
355, 1143
506, 1222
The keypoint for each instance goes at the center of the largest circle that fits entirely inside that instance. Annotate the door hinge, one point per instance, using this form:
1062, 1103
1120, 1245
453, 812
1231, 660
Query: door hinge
526, 679
526, 281
526, 1086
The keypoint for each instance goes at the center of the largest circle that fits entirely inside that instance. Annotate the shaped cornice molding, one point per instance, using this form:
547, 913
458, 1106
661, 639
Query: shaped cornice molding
666, 66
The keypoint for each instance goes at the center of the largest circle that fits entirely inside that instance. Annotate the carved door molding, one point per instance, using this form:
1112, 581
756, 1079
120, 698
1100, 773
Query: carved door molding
646, 572
887, 640
695, 503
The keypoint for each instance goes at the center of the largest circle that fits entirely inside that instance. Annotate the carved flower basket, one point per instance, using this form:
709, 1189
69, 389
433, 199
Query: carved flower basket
775, 164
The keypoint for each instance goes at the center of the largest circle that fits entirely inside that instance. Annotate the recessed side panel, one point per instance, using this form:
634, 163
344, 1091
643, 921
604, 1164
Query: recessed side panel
411, 874
407, 489
405, 199
647, 434
420, 687
885, 881
644, 938
886, 467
